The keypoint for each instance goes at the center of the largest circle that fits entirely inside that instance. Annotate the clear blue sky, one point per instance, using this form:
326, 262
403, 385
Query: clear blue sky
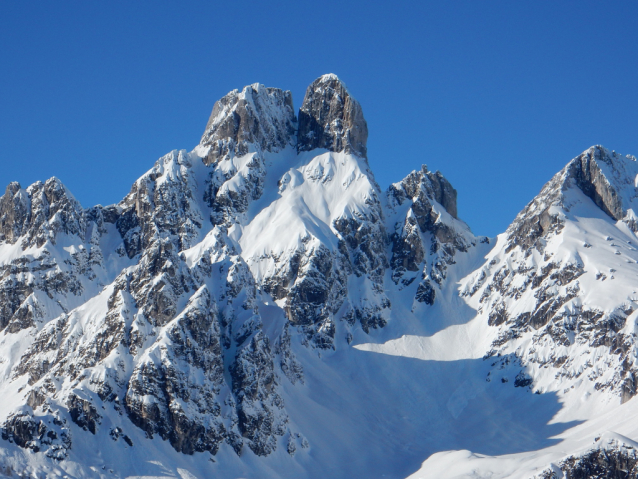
497, 95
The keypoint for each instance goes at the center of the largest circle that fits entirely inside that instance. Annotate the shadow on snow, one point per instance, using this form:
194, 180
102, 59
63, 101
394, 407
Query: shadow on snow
382, 416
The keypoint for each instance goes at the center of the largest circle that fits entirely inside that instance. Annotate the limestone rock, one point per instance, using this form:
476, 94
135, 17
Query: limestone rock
257, 118
331, 118
427, 233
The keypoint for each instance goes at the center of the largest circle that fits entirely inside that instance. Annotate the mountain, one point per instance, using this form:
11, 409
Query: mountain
557, 297
258, 307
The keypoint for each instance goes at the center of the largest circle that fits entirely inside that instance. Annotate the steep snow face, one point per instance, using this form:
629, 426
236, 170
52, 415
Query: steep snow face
335, 230
559, 286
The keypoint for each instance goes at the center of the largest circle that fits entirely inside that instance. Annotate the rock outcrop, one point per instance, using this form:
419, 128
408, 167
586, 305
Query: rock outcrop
605, 177
257, 118
331, 118
613, 456
427, 233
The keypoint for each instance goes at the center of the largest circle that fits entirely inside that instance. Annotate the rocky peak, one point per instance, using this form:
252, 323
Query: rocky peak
255, 118
427, 233
606, 177
425, 184
219, 304
13, 211
39, 213
331, 118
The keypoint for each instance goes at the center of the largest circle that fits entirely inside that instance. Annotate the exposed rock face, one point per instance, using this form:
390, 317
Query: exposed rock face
331, 118
318, 287
161, 202
426, 186
602, 464
537, 220
614, 459
183, 400
362, 240
39, 214
585, 171
243, 128
255, 118
605, 177
14, 210
233, 187
37, 219
48, 434
427, 233
259, 409
289, 364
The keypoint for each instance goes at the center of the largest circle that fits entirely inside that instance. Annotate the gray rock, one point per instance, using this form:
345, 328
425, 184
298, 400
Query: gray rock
46, 433
258, 404
422, 224
585, 172
606, 463
331, 118
161, 202
14, 211
257, 118
184, 411
83, 413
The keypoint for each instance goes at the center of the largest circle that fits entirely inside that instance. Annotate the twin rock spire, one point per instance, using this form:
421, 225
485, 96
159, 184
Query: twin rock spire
263, 118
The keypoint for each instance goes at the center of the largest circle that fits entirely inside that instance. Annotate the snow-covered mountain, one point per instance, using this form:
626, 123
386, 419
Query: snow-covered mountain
258, 307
